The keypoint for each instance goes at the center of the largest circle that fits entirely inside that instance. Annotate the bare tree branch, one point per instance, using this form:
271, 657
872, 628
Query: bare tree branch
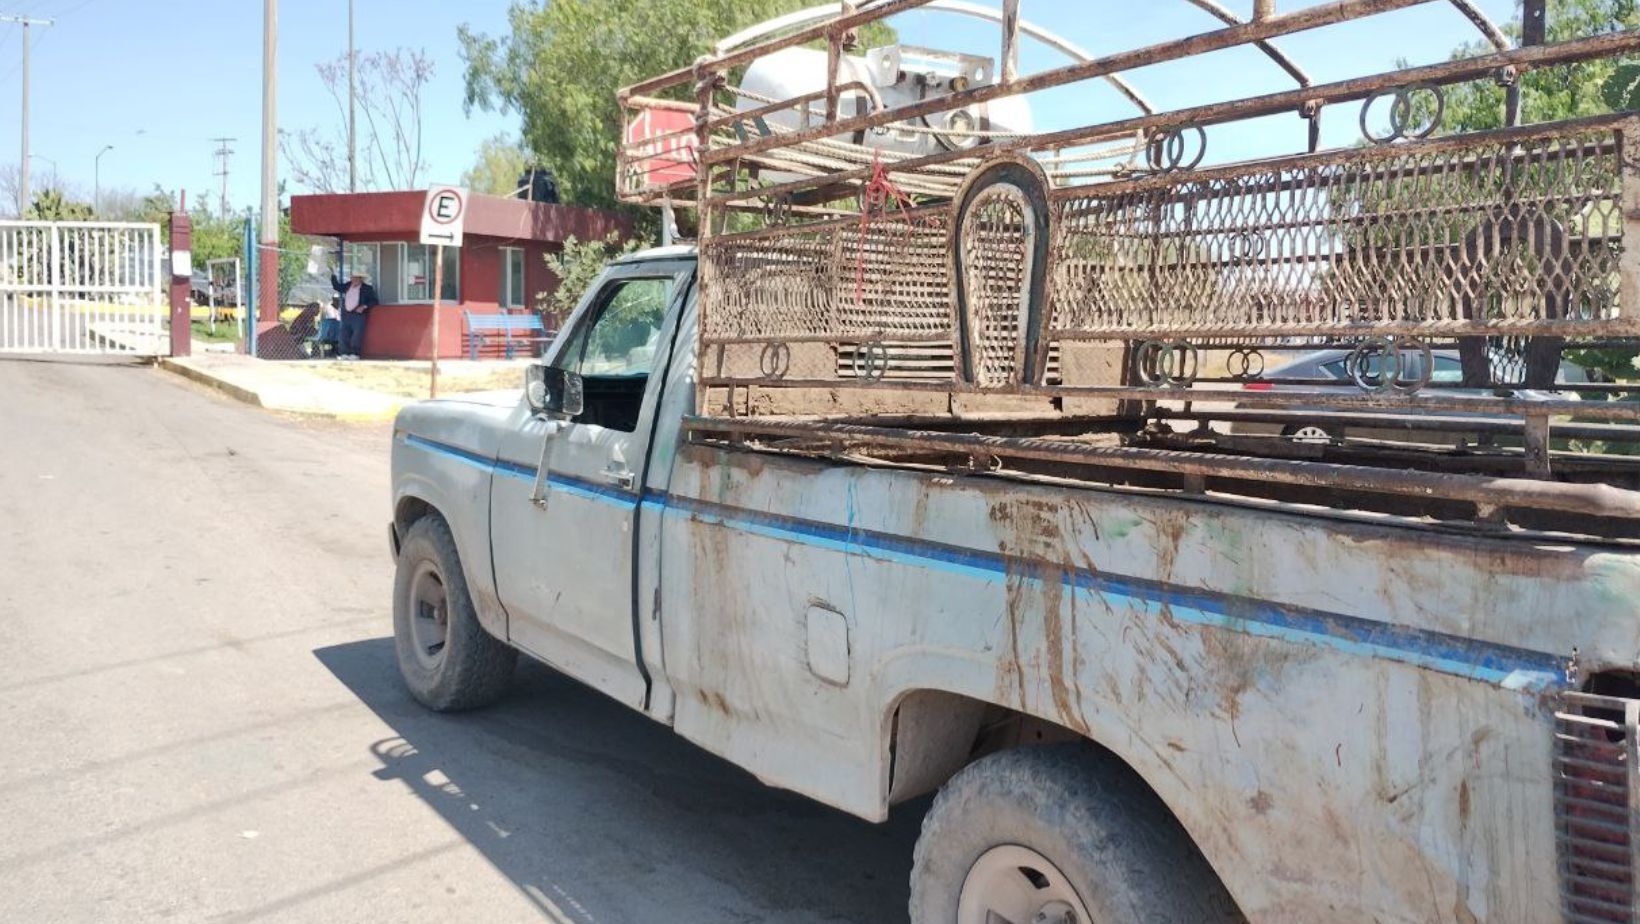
389, 98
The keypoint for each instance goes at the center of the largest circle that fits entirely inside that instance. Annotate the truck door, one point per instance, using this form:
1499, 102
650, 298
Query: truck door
566, 495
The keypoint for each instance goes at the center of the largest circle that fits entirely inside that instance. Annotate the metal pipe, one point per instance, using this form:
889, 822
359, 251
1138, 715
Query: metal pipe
1229, 37
1605, 45
1270, 50
1487, 492
1622, 411
1010, 41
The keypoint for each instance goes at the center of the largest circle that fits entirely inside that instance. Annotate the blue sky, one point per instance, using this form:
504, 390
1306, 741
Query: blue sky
159, 78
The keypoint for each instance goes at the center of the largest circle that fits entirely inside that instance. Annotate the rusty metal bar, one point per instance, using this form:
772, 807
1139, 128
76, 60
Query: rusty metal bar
1533, 22
722, 63
1485, 426
1230, 37
1487, 28
1606, 45
1537, 445
1622, 411
1275, 54
1010, 41
1590, 500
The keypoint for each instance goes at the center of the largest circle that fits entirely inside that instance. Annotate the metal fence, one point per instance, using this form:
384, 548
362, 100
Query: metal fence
81, 287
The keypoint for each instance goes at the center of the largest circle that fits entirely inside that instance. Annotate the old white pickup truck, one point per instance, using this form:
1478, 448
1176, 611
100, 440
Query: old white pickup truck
1135, 705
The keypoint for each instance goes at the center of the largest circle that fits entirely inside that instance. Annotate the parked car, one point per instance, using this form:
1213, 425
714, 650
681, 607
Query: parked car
1327, 366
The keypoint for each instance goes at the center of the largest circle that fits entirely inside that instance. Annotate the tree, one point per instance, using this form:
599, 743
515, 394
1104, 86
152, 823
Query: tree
54, 204
1547, 94
575, 268
390, 156
563, 61
499, 165
11, 185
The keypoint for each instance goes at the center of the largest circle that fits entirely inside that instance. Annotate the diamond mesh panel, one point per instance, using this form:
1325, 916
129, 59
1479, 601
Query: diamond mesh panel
1524, 238
833, 283
996, 259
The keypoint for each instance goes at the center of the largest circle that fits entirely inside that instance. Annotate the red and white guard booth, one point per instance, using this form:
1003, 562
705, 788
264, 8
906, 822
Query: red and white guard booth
500, 267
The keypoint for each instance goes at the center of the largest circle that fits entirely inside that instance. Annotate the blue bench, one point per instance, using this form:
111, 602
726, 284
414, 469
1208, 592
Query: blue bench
514, 329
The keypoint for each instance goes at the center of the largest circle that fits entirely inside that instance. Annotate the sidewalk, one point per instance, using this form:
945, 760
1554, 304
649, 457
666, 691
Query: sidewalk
289, 387
365, 390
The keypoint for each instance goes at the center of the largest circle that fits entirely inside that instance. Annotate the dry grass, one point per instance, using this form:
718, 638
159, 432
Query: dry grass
411, 382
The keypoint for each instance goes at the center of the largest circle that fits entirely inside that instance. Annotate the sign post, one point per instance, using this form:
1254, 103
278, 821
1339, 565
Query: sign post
443, 218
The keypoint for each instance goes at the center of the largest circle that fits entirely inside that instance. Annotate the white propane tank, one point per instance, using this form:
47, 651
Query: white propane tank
894, 76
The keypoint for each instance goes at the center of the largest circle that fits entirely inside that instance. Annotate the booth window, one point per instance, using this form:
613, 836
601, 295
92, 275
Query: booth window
365, 257
512, 278
417, 273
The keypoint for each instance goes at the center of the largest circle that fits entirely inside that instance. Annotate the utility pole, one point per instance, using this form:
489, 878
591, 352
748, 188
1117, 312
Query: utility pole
223, 152
22, 167
352, 107
268, 258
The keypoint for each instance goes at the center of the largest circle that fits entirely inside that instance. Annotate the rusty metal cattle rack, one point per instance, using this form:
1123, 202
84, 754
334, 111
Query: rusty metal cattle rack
924, 260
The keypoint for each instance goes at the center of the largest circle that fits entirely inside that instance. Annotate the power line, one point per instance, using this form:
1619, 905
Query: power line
223, 152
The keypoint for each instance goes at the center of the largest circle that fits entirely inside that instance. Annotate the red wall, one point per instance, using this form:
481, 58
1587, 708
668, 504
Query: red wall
406, 331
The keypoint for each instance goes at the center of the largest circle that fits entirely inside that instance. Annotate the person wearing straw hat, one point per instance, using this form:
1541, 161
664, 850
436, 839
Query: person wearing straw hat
358, 297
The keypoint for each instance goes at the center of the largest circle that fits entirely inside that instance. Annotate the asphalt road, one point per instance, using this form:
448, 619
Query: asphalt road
201, 719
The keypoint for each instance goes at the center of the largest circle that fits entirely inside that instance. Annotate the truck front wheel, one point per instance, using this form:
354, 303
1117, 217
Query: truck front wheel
446, 658
1059, 834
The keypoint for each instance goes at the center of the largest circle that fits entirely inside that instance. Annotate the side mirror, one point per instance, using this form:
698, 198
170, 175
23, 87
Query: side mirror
553, 392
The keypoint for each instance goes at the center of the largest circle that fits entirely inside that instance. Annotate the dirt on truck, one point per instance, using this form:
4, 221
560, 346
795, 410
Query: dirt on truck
961, 456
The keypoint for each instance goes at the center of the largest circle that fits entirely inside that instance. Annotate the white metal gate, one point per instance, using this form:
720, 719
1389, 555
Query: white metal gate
81, 287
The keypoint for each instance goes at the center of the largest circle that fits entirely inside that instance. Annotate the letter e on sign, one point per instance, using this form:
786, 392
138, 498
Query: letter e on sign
444, 215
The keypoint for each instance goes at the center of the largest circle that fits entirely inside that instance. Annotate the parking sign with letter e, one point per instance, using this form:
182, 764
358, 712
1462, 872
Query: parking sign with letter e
444, 215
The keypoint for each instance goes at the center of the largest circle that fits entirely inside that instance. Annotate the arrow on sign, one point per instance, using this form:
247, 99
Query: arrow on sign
444, 216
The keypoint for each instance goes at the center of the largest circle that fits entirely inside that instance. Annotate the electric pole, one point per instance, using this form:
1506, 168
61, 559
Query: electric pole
352, 107
22, 168
268, 253
223, 152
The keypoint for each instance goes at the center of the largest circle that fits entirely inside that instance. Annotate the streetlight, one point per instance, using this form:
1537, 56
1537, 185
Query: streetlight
96, 179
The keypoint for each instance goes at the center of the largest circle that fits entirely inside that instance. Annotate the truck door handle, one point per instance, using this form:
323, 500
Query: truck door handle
619, 477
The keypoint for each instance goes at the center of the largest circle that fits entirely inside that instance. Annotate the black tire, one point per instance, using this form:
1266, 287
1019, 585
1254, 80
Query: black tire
1084, 811
472, 668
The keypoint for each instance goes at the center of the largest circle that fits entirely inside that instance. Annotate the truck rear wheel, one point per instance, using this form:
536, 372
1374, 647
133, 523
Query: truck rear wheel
1059, 834
446, 658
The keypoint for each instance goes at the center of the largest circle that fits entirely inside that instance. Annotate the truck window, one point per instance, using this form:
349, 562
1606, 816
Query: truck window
615, 347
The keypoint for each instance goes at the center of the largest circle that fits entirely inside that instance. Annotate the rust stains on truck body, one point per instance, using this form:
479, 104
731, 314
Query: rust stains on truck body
1344, 712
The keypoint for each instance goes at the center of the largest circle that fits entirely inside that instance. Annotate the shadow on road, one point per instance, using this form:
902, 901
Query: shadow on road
598, 814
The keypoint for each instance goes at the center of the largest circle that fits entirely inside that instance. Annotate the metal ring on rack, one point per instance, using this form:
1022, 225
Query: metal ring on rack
870, 360
1247, 246
1167, 152
1401, 113
1426, 364
1167, 363
775, 360
1387, 376
1244, 364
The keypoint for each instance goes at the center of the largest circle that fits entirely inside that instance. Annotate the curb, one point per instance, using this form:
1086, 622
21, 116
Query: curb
254, 398
205, 378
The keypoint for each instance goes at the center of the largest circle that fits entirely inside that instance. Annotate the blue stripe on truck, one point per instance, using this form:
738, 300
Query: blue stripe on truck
1449, 654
